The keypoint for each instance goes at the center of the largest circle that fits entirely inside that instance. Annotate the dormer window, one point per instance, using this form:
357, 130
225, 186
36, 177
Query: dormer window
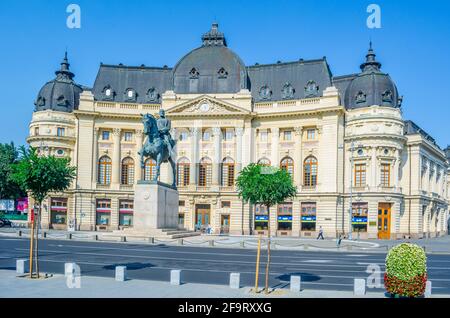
152, 95
311, 89
108, 93
288, 91
387, 96
360, 97
40, 101
61, 101
222, 73
265, 93
130, 94
194, 73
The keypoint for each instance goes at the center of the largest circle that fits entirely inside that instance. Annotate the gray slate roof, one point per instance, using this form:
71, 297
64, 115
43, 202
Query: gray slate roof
411, 128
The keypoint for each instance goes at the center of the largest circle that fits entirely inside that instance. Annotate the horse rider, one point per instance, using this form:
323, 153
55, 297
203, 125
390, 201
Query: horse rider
164, 126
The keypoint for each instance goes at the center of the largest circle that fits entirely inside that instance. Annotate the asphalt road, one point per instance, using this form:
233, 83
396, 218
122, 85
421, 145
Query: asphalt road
319, 270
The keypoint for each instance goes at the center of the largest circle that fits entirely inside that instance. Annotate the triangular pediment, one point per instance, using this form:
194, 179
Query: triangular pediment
206, 105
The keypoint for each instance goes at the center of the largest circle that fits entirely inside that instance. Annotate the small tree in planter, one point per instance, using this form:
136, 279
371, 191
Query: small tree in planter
406, 271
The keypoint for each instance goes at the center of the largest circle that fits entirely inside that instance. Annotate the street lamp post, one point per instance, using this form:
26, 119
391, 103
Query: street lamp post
350, 209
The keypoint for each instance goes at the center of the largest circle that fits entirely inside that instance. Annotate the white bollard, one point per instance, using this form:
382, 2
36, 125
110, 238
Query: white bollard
295, 284
235, 280
359, 288
428, 289
69, 269
175, 277
121, 273
20, 266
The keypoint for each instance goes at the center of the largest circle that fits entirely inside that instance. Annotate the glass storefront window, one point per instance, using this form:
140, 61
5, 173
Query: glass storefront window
126, 212
126, 219
58, 211
261, 218
284, 217
103, 216
359, 217
308, 216
59, 217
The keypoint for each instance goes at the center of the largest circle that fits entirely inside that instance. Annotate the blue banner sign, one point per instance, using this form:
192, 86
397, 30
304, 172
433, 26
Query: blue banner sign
310, 218
285, 218
261, 218
359, 220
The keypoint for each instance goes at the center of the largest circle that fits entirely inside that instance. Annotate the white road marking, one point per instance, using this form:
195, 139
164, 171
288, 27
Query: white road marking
317, 261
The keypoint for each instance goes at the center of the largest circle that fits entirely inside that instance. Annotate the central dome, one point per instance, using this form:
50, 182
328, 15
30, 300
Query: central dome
211, 68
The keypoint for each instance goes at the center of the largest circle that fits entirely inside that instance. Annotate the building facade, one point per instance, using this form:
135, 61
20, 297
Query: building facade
355, 160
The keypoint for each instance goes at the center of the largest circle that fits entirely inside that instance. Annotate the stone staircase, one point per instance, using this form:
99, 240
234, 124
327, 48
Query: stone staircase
157, 233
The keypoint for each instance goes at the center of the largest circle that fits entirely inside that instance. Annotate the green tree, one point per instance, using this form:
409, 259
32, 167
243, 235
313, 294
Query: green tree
39, 176
9, 189
267, 186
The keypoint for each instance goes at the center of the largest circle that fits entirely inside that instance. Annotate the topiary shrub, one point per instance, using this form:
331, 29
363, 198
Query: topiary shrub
406, 270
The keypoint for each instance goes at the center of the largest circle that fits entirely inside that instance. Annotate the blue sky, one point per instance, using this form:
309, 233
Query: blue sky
413, 44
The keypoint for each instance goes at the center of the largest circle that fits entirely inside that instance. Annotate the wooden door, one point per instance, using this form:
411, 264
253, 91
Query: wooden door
202, 215
225, 223
384, 221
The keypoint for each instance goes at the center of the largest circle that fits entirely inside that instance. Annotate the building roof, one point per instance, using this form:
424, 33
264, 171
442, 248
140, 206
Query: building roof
411, 128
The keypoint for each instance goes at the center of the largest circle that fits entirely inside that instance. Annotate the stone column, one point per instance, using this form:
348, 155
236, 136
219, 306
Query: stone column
115, 178
298, 160
275, 131
95, 157
194, 155
395, 166
217, 133
138, 175
239, 134
373, 176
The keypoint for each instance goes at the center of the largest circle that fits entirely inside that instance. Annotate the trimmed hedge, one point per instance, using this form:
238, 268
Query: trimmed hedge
406, 270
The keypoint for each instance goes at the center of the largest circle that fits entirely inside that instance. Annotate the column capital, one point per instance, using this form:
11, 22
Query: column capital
298, 130
217, 131
239, 131
139, 132
116, 131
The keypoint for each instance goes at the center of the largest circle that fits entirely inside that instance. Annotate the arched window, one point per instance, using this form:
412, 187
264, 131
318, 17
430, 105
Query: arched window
264, 162
310, 172
183, 172
127, 171
104, 170
149, 169
287, 164
204, 172
227, 172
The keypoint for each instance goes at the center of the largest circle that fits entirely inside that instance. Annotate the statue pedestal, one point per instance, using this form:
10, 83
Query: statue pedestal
155, 206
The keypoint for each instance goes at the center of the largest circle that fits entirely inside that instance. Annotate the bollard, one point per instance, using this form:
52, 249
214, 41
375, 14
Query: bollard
44, 234
235, 280
69, 268
180, 241
20, 266
349, 247
305, 247
19, 233
211, 243
123, 238
69, 236
151, 240
295, 284
121, 273
95, 237
359, 287
175, 277
428, 289
242, 244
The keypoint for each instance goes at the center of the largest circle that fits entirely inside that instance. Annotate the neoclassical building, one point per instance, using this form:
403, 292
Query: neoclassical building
355, 160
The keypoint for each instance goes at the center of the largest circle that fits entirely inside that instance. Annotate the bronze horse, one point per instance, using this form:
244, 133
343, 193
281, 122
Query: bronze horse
155, 147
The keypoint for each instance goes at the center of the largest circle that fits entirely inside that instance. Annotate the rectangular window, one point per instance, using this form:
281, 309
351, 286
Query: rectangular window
261, 218
308, 216
359, 217
126, 209
58, 210
360, 175
103, 212
385, 174
36, 131
105, 135
128, 136
183, 136
287, 135
311, 134
263, 135
226, 204
284, 217
228, 134
181, 220
60, 132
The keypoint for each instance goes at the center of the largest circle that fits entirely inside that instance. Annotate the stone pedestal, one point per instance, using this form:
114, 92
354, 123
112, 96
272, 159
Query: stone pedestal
155, 206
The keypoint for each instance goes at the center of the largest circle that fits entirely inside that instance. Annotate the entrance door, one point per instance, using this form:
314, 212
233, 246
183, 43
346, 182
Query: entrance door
202, 216
225, 223
384, 221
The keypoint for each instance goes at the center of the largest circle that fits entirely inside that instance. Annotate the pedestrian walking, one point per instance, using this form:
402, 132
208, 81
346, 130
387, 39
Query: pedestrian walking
320, 236
339, 240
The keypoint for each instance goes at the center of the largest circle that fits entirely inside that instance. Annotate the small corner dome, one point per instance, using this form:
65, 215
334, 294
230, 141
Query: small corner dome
61, 93
371, 86
211, 68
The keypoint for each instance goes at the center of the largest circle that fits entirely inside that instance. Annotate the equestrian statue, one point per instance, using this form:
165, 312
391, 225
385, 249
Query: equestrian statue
159, 144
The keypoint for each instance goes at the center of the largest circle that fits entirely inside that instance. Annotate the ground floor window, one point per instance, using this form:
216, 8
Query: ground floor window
103, 212
284, 217
359, 217
225, 223
308, 216
126, 210
181, 219
261, 218
58, 210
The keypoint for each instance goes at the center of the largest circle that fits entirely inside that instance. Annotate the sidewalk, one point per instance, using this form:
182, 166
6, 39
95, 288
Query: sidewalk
100, 287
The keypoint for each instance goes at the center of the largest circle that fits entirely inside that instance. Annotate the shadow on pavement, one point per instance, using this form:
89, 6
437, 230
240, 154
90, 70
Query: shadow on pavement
305, 277
130, 266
